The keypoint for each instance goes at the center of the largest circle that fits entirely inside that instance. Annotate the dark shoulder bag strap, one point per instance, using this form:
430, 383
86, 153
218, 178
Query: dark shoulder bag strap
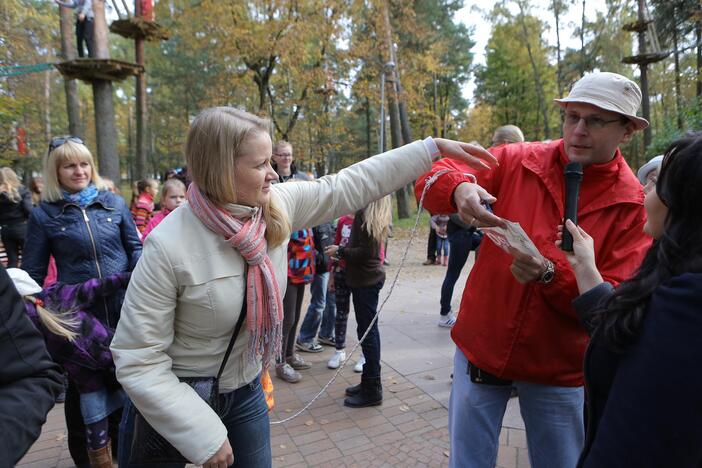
237, 329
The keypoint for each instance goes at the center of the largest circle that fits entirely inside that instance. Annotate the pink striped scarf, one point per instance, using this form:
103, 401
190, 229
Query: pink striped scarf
264, 316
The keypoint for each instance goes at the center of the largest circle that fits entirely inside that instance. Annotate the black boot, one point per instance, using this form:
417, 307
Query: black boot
355, 390
371, 394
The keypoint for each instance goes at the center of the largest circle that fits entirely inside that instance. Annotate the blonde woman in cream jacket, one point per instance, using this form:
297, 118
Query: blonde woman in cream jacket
187, 290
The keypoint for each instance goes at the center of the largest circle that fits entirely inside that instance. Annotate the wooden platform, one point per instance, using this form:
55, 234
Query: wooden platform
139, 28
636, 26
90, 69
645, 59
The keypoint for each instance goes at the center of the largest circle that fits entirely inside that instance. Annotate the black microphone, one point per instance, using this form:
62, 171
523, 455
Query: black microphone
573, 176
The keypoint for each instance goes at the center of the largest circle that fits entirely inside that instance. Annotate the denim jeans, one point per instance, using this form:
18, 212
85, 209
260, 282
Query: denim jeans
365, 305
553, 417
442, 246
245, 415
461, 242
322, 309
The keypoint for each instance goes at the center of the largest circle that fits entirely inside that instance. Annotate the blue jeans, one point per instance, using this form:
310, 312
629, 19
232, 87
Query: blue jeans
461, 242
245, 415
442, 246
553, 417
322, 309
365, 305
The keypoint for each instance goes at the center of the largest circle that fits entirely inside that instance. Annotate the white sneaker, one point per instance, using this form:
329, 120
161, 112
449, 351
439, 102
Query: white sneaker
447, 321
336, 360
359, 365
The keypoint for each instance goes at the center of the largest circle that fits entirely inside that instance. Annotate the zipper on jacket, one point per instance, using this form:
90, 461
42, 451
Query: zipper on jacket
97, 263
92, 241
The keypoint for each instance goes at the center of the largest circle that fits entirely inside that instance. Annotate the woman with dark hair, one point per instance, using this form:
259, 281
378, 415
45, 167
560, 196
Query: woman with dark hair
643, 388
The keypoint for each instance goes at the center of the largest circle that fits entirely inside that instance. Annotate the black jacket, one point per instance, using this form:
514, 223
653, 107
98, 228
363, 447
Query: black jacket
323, 238
362, 255
15, 212
29, 379
643, 406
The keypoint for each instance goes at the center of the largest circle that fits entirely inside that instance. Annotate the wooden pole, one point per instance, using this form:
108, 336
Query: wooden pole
105, 128
393, 107
68, 50
645, 103
140, 166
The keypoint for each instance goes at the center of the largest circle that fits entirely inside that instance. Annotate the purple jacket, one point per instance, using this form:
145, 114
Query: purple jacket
87, 360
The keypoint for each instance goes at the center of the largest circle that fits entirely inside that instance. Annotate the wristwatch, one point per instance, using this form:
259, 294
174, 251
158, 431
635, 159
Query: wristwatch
550, 272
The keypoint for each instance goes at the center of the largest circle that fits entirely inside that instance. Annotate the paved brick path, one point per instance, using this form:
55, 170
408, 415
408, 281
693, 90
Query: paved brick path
409, 429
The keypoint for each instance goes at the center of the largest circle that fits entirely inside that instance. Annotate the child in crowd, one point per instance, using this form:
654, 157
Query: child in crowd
301, 270
365, 277
342, 293
143, 203
80, 343
172, 196
440, 224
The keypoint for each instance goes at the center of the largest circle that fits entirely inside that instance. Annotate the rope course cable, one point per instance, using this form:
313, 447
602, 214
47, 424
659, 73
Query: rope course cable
17, 70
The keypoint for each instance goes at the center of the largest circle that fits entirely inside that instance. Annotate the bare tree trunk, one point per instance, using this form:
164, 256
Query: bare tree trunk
435, 127
538, 84
105, 128
68, 50
645, 102
393, 108
676, 56
47, 105
559, 64
368, 129
582, 42
141, 117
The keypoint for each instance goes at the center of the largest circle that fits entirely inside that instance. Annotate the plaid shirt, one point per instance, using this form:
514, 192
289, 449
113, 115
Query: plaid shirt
87, 360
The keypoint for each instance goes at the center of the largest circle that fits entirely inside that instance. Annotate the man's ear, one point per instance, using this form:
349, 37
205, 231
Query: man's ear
629, 133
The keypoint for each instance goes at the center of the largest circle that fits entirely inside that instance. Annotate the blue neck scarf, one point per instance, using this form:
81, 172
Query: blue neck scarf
82, 198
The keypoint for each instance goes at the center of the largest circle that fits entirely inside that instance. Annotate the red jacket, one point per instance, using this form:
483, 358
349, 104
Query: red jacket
531, 332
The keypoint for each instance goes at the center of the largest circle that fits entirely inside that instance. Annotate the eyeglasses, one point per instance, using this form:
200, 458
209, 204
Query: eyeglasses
592, 122
58, 141
284, 155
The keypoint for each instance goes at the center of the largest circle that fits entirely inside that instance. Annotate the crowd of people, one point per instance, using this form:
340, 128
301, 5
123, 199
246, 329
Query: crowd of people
134, 303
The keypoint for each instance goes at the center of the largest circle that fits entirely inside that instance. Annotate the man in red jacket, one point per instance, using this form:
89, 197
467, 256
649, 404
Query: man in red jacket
516, 327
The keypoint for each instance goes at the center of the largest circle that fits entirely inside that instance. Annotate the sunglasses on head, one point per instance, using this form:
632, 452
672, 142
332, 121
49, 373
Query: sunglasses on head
58, 141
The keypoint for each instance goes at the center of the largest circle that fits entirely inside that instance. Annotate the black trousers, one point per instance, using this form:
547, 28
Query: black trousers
84, 33
13, 239
431, 245
77, 444
292, 306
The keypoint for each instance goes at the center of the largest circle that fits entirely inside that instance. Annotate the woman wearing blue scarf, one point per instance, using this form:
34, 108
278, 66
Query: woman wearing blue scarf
90, 233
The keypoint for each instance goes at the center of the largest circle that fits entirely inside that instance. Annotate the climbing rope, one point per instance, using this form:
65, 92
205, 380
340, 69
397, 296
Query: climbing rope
16, 70
429, 182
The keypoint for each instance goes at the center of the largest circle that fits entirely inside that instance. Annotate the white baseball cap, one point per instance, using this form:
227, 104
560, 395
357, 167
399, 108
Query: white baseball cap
608, 91
24, 283
653, 164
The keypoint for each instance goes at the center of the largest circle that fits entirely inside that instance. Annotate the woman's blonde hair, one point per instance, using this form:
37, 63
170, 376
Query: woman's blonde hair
10, 183
69, 151
213, 145
63, 324
377, 218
